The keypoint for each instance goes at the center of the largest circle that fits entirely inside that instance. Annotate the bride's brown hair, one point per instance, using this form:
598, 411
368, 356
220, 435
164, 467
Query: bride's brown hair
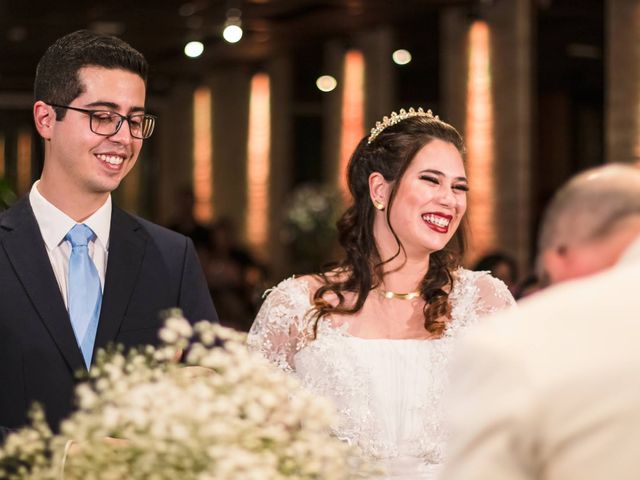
389, 153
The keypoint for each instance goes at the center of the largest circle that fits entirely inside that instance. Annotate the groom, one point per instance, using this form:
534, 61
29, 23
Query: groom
76, 272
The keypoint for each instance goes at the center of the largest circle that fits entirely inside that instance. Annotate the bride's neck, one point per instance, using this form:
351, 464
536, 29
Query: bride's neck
403, 275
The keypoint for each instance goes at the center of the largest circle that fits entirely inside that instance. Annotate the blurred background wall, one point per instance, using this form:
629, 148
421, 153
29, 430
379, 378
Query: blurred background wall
253, 136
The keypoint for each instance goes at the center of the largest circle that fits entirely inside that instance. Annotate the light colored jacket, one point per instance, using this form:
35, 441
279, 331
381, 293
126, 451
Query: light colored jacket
552, 390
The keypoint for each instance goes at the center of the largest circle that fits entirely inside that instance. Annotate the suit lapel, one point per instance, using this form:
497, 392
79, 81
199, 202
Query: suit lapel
127, 244
27, 253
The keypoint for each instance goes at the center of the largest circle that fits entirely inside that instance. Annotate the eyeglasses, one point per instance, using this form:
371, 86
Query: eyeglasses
107, 123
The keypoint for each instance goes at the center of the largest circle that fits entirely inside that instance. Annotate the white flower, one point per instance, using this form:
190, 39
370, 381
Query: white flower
228, 414
168, 335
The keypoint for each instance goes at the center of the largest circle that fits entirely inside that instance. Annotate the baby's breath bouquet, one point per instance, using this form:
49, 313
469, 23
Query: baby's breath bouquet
227, 414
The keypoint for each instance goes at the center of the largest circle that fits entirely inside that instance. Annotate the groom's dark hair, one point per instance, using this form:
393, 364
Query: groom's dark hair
57, 79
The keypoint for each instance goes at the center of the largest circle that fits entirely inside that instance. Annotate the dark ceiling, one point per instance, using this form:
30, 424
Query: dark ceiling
568, 32
161, 28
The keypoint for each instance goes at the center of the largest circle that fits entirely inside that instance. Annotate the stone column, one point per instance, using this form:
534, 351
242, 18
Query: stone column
168, 153
280, 75
230, 92
622, 140
331, 112
510, 71
380, 91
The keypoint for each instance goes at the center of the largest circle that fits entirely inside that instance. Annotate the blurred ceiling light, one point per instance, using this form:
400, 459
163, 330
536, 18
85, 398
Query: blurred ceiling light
579, 50
17, 34
355, 7
194, 22
401, 56
232, 32
193, 49
326, 83
262, 37
107, 28
187, 9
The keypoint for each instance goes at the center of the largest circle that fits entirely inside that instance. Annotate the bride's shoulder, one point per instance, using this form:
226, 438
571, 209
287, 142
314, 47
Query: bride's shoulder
303, 286
290, 288
479, 284
294, 289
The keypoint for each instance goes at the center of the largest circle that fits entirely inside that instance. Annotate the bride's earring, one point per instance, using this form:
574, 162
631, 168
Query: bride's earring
378, 205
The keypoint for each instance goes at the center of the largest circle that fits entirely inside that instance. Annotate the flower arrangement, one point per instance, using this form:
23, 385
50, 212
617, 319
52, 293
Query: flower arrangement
7, 197
227, 414
310, 225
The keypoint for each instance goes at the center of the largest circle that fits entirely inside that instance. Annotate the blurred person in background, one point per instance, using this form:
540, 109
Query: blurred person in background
234, 276
501, 265
185, 222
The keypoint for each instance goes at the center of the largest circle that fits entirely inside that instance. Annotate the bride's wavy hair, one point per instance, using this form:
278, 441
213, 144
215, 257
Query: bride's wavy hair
361, 270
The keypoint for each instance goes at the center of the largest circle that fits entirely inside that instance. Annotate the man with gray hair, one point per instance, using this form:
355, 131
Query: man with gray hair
550, 390
589, 223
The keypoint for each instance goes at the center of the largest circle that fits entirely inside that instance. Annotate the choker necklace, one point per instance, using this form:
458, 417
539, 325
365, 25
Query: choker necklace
400, 296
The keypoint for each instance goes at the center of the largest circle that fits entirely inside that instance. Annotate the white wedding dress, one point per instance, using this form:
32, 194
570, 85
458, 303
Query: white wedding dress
388, 393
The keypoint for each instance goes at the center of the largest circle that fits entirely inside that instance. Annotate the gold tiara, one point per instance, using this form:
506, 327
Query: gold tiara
397, 118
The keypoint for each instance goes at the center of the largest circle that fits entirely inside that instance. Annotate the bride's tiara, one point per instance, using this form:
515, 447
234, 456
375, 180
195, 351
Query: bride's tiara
397, 118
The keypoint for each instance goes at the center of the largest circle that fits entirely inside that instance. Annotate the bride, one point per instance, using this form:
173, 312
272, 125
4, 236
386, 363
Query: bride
374, 333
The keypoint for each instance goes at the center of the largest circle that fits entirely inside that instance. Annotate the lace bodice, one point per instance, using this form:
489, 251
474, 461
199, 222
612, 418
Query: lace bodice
388, 393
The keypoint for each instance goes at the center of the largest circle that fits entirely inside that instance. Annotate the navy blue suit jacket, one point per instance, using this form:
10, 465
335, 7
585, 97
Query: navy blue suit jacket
149, 269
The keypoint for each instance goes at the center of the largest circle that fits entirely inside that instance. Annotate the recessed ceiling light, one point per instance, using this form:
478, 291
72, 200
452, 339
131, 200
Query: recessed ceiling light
187, 9
232, 33
326, 83
193, 49
17, 34
401, 56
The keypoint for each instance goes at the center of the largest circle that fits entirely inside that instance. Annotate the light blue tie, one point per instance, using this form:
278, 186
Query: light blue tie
85, 294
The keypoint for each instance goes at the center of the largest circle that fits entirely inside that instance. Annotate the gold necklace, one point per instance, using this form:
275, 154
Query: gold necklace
400, 296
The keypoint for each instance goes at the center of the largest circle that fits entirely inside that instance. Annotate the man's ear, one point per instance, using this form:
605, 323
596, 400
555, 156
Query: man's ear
44, 117
555, 264
378, 190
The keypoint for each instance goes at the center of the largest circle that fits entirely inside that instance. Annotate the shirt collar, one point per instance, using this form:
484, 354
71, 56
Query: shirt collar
55, 224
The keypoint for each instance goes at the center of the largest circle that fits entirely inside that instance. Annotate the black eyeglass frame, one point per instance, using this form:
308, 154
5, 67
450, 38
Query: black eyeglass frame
128, 118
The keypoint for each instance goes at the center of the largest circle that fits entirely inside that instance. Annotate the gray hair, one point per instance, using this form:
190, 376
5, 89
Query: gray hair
590, 205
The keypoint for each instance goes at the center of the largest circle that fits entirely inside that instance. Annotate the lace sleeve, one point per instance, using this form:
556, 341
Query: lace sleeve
493, 295
278, 331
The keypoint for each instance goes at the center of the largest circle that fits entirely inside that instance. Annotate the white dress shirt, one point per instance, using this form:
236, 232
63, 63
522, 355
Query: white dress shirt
55, 224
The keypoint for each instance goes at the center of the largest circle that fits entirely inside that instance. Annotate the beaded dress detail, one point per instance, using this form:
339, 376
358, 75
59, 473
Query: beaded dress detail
388, 392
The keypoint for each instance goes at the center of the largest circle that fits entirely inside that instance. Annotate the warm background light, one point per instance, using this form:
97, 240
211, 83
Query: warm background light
24, 160
202, 155
479, 131
258, 163
352, 112
193, 49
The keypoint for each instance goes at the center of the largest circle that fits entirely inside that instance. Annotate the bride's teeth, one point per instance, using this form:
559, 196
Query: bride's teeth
112, 159
439, 221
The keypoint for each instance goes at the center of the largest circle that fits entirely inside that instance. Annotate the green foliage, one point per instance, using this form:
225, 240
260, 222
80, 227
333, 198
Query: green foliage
310, 226
7, 196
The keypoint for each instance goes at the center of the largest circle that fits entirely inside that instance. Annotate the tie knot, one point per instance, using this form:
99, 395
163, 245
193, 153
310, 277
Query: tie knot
79, 235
